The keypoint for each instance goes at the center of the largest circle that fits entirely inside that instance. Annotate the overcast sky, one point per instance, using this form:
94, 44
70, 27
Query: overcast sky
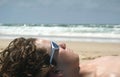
60, 11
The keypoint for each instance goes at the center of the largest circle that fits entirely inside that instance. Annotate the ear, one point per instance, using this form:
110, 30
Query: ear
52, 74
43, 72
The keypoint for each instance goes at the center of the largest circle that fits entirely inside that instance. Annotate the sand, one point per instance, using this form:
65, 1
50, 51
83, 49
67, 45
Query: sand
92, 50
86, 50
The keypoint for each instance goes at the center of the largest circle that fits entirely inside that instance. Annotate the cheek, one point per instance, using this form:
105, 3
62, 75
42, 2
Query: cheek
68, 57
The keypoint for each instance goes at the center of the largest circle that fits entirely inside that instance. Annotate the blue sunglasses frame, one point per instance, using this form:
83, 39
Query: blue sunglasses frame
54, 48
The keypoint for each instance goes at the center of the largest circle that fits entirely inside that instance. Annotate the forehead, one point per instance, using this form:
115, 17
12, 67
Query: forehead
43, 43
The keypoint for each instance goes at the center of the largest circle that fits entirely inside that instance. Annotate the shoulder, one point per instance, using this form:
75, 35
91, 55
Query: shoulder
107, 66
107, 59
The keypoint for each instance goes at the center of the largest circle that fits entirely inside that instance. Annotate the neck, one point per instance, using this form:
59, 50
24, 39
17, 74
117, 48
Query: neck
67, 71
87, 70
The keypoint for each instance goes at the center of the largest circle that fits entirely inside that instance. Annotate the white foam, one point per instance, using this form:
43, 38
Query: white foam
80, 32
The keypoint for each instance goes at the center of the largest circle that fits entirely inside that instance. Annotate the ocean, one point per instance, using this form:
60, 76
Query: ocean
65, 32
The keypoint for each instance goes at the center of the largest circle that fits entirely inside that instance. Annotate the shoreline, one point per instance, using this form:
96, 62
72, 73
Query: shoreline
67, 38
86, 50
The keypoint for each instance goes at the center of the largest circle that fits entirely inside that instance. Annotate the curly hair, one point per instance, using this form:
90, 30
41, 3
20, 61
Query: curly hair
22, 59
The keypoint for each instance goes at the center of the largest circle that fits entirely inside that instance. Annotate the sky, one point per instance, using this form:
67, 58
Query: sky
60, 11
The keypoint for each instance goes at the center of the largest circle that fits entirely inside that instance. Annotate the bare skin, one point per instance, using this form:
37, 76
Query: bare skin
108, 66
68, 63
67, 60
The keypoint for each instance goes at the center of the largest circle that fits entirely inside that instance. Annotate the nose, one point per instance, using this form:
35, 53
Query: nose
62, 45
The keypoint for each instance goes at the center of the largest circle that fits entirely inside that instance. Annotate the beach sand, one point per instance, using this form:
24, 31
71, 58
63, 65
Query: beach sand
92, 50
86, 50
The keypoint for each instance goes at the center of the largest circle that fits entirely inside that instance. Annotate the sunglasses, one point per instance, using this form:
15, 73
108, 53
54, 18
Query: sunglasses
54, 48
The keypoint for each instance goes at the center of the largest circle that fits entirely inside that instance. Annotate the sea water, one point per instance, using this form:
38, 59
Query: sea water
65, 32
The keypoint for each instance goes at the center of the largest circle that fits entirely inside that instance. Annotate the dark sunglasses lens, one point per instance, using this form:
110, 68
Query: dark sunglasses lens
55, 45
